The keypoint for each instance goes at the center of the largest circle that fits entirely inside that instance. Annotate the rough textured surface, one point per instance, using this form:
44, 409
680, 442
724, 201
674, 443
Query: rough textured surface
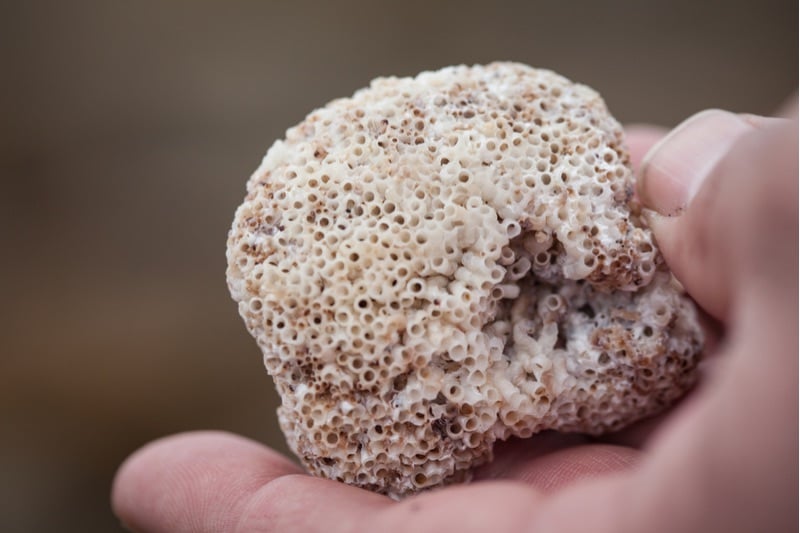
443, 261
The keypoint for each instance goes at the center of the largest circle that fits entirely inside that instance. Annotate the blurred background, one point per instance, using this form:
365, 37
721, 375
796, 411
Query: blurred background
128, 130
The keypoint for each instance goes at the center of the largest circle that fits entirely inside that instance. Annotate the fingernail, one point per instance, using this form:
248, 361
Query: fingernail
674, 169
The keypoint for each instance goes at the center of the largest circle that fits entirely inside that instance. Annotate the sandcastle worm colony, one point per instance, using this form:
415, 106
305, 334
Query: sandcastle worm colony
443, 261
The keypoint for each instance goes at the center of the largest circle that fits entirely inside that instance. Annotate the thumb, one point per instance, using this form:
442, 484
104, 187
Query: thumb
721, 190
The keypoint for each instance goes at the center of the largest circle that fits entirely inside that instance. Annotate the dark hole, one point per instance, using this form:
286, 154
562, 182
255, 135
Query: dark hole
399, 382
587, 310
561, 340
440, 427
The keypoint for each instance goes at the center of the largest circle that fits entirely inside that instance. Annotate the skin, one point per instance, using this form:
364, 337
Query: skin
724, 459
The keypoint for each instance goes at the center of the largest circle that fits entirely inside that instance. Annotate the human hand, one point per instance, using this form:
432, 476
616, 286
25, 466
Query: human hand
724, 460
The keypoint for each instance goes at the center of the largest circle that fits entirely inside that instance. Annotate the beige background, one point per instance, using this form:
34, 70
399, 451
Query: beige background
127, 131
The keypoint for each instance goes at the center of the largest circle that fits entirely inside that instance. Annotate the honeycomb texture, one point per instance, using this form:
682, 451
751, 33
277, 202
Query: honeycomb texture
443, 261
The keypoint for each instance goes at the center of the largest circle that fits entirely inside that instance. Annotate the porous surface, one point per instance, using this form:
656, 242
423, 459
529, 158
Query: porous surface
443, 261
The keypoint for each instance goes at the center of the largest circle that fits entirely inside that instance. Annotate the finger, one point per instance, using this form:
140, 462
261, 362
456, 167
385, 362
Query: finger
552, 461
674, 169
219, 482
193, 481
640, 138
704, 181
